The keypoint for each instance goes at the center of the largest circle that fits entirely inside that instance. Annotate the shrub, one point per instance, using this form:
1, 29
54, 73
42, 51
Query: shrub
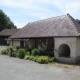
22, 53
14, 47
51, 59
28, 53
43, 59
28, 50
35, 58
34, 52
8, 49
17, 48
17, 54
3, 51
31, 58
14, 54
42, 47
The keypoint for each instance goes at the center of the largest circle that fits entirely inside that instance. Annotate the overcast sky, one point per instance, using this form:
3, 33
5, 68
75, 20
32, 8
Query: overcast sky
22, 12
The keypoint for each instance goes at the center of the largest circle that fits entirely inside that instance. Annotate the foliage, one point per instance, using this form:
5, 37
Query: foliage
28, 53
43, 59
31, 58
28, 49
17, 47
22, 53
14, 51
42, 47
34, 52
14, 54
5, 22
51, 59
17, 54
3, 52
78, 20
6, 51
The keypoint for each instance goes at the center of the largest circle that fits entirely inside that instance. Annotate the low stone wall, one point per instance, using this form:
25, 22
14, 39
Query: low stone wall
64, 60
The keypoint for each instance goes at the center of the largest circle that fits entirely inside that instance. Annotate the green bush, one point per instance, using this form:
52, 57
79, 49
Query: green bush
14, 54
22, 53
31, 58
41, 49
34, 52
17, 54
14, 47
3, 52
8, 49
28, 53
51, 59
28, 49
43, 59
35, 58
17, 47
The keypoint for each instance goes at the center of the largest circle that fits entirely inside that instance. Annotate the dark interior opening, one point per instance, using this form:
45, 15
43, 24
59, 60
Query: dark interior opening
64, 50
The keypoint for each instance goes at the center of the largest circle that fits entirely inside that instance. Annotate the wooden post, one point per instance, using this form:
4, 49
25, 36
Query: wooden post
12, 42
11, 51
35, 43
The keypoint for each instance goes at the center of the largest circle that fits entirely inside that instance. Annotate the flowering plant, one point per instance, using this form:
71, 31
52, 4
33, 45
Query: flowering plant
42, 47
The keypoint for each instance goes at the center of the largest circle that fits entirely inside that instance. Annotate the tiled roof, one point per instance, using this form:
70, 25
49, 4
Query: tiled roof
8, 32
56, 26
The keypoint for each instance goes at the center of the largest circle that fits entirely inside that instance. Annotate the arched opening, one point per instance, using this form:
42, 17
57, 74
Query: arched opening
64, 50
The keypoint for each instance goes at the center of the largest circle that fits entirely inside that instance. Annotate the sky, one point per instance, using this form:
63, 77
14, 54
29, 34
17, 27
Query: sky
22, 12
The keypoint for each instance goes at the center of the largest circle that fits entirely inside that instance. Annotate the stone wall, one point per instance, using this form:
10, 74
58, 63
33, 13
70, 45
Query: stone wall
70, 41
16, 42
77, 49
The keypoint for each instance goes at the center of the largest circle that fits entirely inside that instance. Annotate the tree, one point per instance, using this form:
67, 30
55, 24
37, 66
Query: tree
78, 21
5, 22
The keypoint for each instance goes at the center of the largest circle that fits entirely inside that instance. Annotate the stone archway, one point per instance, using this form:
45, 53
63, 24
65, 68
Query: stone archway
64, 50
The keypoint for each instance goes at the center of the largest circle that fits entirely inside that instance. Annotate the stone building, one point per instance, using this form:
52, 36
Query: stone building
5, 34
62, 31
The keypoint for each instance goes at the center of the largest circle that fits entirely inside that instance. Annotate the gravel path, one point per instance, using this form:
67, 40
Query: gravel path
18, 69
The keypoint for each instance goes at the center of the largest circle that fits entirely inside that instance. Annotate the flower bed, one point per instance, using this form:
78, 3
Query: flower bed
36, 54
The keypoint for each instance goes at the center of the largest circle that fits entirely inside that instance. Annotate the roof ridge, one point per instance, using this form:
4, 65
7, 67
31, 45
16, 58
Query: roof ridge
46, 19
70, 17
